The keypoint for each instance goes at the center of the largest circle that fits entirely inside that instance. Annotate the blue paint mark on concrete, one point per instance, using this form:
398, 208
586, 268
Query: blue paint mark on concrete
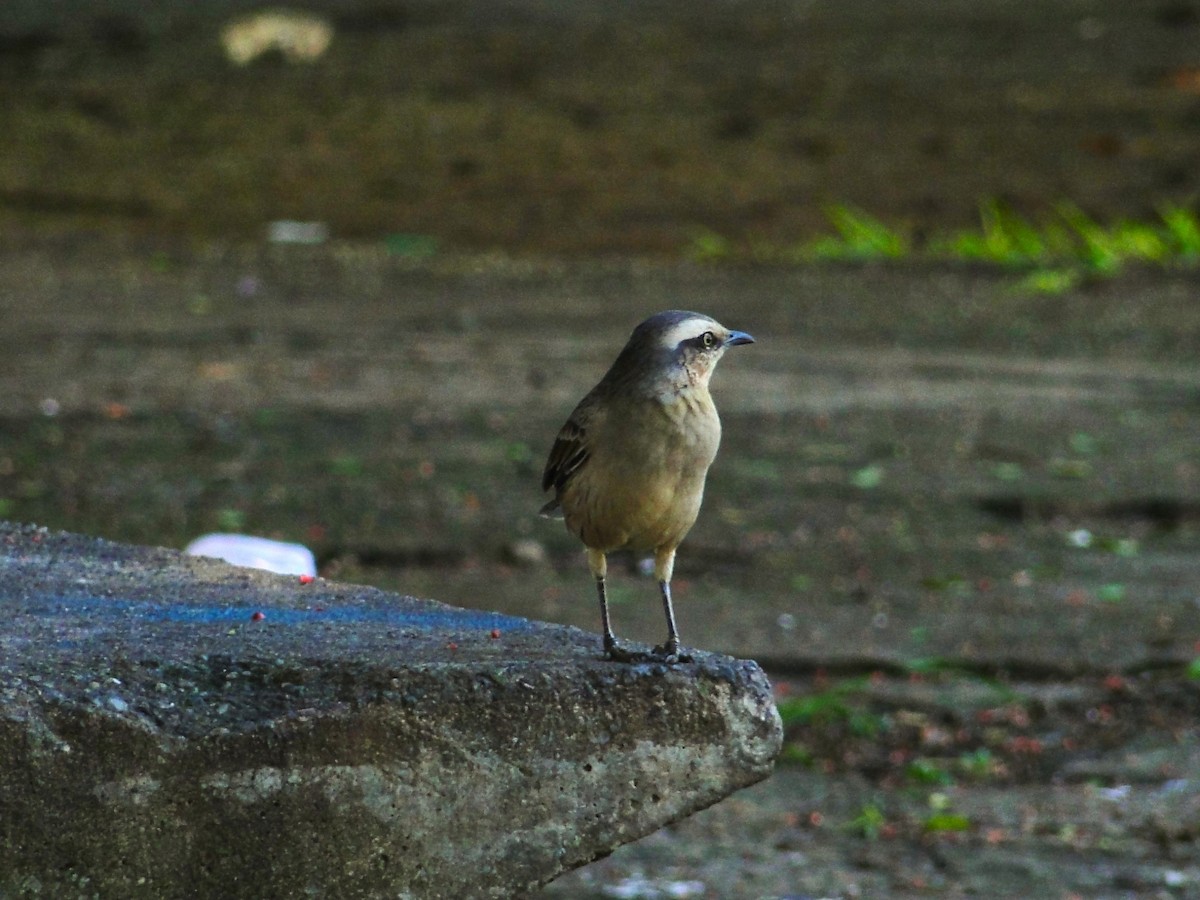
451, 619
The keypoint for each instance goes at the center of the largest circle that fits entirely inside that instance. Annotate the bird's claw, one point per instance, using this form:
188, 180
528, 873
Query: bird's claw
621, 655
664, 653
617, 653
671, 653
668, 653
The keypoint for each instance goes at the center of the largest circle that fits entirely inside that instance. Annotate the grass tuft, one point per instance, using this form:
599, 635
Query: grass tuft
859, 238
1053, 255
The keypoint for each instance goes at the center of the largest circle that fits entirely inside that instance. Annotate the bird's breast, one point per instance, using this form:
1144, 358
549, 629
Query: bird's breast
694, 428
643, 482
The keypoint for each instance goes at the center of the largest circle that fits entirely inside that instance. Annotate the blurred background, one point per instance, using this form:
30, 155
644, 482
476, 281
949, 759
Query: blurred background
336, 273
554, 126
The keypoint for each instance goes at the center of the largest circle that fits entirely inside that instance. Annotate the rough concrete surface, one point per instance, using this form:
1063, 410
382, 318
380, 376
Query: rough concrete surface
173, 726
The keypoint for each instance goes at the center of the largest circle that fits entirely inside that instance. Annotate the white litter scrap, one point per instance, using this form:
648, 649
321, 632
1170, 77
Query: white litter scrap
300, 37
255, 553
638, 887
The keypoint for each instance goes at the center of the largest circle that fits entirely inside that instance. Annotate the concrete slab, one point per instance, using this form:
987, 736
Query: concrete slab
175, 726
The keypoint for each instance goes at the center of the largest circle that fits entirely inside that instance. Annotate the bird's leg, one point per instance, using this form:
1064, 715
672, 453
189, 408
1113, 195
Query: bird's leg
664, 565
598, 563
610, 639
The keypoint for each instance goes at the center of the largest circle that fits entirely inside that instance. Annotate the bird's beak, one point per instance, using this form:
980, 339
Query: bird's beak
738, 337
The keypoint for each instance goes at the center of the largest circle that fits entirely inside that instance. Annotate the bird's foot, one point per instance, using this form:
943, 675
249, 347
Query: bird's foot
617, 653
621, 655
671, 653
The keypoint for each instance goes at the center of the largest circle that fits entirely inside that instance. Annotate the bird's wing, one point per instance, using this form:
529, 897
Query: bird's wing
570, 450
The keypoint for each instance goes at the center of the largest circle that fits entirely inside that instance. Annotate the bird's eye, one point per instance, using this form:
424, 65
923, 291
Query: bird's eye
708, 340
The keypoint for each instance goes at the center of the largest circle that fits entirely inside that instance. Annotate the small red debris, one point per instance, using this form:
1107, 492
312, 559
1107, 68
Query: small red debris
452, 646
495, 632
306, 579
1114, 683
816, 820
1022, 744
258, 616
1017, 716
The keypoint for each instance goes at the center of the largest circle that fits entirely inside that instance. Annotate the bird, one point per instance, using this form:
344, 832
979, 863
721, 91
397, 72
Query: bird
628, 467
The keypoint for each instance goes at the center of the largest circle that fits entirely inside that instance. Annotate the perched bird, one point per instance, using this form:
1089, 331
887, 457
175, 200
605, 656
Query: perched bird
628, 467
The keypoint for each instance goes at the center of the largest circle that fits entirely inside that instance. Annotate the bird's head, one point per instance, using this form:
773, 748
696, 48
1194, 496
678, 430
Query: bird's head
679, 347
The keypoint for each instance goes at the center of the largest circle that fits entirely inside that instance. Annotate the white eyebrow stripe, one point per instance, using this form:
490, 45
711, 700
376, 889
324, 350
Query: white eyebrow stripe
688, 328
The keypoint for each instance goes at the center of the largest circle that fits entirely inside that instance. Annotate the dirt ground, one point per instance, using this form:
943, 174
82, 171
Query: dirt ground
958, 523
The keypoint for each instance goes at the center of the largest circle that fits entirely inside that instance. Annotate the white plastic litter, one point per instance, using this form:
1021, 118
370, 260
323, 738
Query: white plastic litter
256, 553
640, 887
